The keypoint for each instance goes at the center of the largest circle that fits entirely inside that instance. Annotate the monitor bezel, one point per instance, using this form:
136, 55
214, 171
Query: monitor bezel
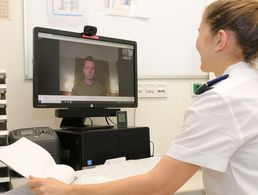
86, 104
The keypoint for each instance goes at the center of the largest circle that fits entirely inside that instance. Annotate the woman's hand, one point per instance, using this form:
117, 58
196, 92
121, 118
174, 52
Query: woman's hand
49, 186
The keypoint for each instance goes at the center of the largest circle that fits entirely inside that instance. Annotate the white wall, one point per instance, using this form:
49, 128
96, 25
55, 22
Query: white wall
19, 95
163, 116
171, 28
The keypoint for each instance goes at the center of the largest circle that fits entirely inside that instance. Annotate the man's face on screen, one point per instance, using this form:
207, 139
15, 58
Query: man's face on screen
89, 70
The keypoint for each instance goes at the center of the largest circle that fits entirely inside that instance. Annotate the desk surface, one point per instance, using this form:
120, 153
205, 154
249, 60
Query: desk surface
195, 183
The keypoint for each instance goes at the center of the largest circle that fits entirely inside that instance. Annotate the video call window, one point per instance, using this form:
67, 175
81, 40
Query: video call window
88, 70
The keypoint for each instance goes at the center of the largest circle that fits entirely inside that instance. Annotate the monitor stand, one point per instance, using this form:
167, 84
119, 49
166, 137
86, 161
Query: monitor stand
79, 124
75, 118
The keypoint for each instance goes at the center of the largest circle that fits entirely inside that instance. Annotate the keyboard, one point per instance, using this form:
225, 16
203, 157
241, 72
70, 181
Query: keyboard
115, 171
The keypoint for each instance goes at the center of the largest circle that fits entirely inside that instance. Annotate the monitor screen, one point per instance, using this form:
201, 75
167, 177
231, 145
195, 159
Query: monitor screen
71, 71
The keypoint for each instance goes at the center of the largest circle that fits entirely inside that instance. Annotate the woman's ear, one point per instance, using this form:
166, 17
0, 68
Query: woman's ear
221, 40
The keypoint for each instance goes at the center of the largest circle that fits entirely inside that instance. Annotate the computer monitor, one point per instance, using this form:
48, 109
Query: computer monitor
75, 72
83, 76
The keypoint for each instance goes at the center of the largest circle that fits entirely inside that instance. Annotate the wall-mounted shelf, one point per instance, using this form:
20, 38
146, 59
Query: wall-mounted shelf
4, 170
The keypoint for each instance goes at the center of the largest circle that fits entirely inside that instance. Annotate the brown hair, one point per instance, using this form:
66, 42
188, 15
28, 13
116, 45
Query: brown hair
89, 58
240, 17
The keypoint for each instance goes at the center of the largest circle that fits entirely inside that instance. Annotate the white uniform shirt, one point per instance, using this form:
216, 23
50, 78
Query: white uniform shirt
220, 134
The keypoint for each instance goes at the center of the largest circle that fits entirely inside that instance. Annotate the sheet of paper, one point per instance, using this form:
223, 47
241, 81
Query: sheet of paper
67, 7
130, 8
4, 9
63, 173
67, 13
27, 158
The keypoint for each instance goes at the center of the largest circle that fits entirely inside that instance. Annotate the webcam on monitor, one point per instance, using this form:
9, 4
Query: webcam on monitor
90, 30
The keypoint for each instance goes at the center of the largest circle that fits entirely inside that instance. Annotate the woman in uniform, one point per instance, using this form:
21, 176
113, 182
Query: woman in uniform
220, 131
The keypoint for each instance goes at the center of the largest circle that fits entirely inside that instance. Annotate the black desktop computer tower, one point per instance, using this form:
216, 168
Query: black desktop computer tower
88, 148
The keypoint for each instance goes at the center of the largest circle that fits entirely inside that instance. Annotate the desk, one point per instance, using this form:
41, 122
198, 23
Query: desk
194, 184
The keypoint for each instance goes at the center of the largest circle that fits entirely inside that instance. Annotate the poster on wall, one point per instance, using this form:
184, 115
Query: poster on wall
67, 13
130, 8
4, 9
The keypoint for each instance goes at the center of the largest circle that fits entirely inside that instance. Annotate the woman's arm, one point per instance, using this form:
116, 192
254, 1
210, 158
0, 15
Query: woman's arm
165, 179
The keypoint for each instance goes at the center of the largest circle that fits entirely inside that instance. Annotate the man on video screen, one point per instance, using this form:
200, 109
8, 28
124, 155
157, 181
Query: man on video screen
89, 86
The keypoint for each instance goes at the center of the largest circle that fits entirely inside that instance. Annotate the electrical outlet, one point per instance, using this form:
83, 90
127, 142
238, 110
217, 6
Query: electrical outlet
141, 91
161, 90
195, 86
152, 90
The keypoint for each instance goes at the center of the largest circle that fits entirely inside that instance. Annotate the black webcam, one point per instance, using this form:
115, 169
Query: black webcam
90, 30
